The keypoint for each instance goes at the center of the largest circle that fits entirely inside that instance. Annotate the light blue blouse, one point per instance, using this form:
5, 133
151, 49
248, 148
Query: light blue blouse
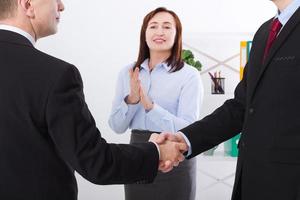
177, 97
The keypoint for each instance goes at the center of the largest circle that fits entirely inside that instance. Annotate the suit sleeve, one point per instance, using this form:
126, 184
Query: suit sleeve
224, 123
79, 142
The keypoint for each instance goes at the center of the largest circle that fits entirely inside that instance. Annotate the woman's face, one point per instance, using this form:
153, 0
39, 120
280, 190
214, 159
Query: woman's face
161, 32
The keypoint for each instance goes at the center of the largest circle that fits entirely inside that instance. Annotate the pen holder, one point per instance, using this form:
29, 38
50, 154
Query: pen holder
218, 86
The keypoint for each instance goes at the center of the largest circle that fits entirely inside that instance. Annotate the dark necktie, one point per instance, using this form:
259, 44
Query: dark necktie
275, 28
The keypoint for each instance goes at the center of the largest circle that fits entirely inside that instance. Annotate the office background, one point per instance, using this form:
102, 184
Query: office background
100, 37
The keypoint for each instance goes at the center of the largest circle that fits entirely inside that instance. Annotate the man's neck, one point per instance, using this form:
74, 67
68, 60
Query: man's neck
13, 27
282, 4
19, 24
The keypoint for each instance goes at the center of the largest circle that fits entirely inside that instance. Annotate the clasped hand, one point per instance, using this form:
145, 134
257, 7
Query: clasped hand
172, 147
137, 93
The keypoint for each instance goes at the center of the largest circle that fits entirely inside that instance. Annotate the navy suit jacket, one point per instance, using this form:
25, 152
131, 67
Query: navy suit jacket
266, 109
47, 130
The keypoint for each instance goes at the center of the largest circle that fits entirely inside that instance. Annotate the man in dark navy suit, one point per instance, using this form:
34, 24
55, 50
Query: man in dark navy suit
46, 129
266, 109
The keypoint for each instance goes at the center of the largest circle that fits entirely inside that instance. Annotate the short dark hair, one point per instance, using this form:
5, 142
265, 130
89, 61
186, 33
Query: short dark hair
175, 60
7, 8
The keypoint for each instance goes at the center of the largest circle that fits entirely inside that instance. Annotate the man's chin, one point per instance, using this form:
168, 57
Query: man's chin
48, 33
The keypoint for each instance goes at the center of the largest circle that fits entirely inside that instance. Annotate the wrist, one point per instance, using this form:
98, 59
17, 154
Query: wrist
149, 107
130, 100
157, 147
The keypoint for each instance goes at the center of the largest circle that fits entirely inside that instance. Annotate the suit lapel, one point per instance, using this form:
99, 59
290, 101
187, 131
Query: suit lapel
256, 58
284, 34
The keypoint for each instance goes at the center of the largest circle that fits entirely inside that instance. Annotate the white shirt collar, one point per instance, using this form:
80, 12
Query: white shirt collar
19, 31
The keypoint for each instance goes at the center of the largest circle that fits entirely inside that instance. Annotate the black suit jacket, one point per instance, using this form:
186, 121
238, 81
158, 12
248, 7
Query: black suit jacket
47, 131
266, 109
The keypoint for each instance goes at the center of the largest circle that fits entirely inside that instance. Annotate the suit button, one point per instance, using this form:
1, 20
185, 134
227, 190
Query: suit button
251, 111
243, 144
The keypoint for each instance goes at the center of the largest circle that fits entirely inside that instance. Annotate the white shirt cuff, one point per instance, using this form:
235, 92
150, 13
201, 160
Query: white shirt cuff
157, 148
187, 142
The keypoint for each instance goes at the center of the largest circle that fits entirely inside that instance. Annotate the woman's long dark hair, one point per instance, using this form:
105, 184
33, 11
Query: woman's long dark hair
174, 60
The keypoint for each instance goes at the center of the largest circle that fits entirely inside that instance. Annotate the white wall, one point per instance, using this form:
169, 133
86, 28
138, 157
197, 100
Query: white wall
100, 37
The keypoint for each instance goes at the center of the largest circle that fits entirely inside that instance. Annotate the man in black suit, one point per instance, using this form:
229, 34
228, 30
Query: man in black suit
46, 129
265, 109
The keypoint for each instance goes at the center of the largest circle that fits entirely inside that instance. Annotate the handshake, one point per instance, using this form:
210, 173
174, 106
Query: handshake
171, 147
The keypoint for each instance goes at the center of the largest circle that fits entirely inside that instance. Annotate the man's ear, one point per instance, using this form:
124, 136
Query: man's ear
27, 8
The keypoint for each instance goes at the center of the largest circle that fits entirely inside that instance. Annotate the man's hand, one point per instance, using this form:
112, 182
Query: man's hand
177, 137
170, 150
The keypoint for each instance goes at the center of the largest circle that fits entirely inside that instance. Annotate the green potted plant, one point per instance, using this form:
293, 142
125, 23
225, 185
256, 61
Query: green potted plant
188, 57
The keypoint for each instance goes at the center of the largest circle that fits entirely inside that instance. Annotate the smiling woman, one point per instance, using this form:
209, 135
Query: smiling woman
161, 32
159, 93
